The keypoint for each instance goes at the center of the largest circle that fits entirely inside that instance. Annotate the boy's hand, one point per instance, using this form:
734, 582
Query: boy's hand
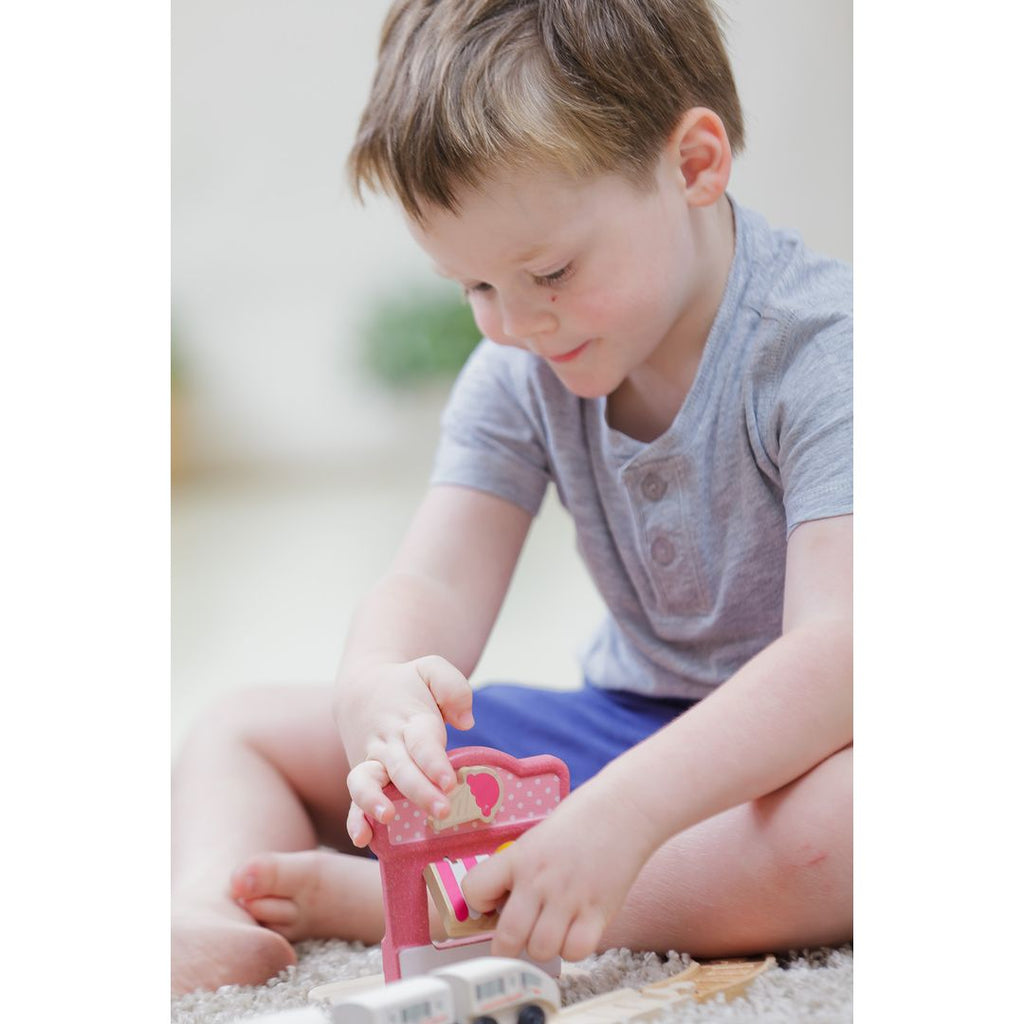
564, 879
393, 731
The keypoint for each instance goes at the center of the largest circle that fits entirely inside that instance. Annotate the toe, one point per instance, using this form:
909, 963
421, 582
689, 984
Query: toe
267, 874
309, 894
273, 911
293, 876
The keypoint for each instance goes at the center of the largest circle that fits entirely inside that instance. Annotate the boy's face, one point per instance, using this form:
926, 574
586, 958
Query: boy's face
599, 279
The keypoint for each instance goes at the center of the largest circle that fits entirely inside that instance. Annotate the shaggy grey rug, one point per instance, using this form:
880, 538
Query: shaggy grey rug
807, 987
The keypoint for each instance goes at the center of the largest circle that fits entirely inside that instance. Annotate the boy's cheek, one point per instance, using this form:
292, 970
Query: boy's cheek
490, 327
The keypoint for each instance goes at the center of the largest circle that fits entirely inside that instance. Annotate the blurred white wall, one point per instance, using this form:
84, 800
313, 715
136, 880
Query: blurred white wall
273, 260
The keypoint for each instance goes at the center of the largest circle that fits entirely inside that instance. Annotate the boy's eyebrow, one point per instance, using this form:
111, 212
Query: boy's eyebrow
524, 257
530, 255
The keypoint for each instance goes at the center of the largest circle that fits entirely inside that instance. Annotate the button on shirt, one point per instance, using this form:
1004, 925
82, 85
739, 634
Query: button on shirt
663, 551
684, 536
653, 487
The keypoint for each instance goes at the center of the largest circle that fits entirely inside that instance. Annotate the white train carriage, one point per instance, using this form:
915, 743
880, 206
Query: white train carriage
423, 1000
485, 990
499, 990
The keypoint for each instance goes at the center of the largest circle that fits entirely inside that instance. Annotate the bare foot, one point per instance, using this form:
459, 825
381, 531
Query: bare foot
312, 894
210, 948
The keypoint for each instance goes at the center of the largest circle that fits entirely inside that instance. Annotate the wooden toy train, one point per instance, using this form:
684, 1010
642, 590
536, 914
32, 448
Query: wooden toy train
494, 990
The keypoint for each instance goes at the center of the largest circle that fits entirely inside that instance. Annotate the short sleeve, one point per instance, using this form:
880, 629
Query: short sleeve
491, 438
807, 421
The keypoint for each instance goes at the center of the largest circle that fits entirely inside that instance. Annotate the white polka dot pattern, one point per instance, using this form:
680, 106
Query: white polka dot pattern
524, 800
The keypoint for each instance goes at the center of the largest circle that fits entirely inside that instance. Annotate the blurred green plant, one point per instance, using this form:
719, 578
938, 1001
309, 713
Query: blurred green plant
417, 335
176, 370
179, 370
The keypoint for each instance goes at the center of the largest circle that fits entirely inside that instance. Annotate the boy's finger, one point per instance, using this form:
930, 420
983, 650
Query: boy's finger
414, 785
547, 937
515, 924
366, 782
449, 688
486, 885
584, 934
428, 753
359, 830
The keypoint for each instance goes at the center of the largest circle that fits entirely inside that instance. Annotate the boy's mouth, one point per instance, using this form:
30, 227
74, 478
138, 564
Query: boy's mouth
566, 356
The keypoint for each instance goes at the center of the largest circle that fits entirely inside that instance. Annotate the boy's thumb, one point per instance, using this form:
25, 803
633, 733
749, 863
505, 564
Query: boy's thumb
479, 888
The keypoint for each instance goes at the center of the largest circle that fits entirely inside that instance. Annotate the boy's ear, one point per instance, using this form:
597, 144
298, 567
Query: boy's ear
699, 148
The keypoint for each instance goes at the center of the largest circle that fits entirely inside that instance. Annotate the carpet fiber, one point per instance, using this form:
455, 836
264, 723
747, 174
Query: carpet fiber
807, 987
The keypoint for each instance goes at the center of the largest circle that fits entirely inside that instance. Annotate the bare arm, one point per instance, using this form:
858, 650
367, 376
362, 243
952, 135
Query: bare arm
412, 643
781, 714
784, 712
444, 587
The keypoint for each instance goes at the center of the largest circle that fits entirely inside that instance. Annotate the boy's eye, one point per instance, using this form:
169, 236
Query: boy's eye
556, 278
546, 280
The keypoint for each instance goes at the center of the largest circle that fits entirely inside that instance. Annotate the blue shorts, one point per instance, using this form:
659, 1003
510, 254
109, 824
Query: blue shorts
585, 727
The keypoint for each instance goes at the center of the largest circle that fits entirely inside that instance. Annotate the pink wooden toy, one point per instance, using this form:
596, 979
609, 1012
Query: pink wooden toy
498, 797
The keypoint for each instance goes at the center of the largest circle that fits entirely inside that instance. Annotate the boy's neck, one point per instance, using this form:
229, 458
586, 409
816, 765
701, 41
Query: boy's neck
649, 399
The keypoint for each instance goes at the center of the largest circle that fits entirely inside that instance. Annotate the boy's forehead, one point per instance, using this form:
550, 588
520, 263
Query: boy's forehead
457, 244
463, 254
513, 220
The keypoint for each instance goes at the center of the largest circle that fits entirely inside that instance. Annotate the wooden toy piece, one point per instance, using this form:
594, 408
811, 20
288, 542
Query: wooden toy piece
476, 797
296, 1015
444, 883
684, 980
728, 978
498, 798
335, 991
624, 1004
698, 983
718, 977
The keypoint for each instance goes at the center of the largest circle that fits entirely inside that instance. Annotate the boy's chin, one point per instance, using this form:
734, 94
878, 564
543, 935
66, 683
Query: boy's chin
583, 388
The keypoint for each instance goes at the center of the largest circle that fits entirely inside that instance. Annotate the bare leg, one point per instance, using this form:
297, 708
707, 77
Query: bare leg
266, 773
776, 874
772, 875
264, 770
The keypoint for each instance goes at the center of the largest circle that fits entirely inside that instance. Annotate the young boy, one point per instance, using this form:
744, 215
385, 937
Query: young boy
682, 373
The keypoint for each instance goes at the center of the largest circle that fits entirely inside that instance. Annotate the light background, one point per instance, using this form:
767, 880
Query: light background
85, 650
274, 262
299, 472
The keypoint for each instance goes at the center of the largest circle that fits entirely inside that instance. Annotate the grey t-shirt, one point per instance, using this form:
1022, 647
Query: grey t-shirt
685, 536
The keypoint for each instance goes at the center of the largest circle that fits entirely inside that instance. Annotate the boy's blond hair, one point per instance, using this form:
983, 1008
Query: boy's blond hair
465, 88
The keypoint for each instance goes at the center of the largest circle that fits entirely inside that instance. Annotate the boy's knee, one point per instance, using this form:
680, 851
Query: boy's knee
248, 713
809, 823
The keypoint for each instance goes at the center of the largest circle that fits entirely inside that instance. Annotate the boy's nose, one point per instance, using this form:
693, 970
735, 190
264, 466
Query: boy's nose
522, 321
